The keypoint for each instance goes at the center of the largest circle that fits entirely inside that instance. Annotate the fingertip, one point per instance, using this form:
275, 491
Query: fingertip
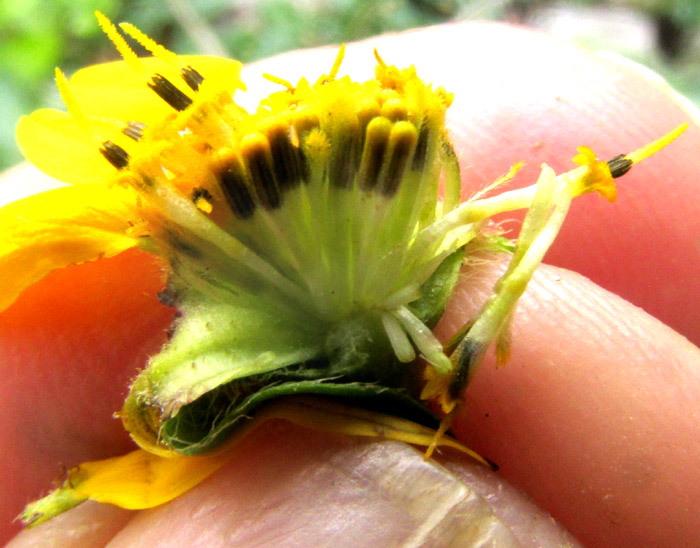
595, 413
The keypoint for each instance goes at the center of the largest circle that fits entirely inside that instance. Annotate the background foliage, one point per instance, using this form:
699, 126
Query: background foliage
38, 35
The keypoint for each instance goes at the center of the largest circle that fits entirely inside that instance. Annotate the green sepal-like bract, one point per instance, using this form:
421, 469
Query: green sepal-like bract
215, 342
200, 427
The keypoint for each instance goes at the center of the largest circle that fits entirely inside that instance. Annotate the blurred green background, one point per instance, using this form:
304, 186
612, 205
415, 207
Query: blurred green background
38, 35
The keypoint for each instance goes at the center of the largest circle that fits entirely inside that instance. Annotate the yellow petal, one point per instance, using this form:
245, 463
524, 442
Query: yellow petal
141, 479
134, 481
60, 227
108, 96
58, 146
116, 90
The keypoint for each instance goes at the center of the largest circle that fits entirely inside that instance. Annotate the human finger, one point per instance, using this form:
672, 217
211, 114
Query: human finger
595, 415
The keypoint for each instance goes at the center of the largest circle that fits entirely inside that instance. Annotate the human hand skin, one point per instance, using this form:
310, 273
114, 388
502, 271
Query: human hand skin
596, 415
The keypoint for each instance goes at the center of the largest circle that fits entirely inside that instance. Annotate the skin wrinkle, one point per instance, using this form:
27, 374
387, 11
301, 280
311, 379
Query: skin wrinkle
555, 298
349, 482
479, 479
439, 517
358, 475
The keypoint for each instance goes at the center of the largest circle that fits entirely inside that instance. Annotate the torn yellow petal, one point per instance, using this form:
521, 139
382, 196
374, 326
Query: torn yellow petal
61, 227
142, 479
60, 147
134, 481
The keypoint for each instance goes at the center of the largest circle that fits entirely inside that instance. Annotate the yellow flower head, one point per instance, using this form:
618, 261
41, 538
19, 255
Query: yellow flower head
309, 247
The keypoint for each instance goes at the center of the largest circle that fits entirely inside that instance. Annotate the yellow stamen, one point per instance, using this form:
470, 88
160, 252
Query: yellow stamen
445, 424
380, 61
277, 80
336, 64
203, 204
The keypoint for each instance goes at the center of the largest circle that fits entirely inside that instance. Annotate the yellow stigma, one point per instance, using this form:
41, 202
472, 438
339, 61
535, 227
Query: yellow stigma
654, 147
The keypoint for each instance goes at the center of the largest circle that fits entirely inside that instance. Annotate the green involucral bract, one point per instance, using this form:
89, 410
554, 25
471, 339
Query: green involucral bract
223, 361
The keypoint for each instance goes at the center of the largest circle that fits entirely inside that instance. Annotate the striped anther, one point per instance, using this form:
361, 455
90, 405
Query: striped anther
288, 160
344, 162
402, 143
619, 165
376, 142
419, 156
469, 353
115, 154
171, 94
134, 130
255, 149
237, 193
192, 78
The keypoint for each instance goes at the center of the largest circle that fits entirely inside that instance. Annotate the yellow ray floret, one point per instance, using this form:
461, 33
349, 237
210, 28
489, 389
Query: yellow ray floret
59, 146
62, 227
142, 480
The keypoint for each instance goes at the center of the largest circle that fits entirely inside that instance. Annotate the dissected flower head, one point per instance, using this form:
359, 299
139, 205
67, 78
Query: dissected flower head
309, 247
